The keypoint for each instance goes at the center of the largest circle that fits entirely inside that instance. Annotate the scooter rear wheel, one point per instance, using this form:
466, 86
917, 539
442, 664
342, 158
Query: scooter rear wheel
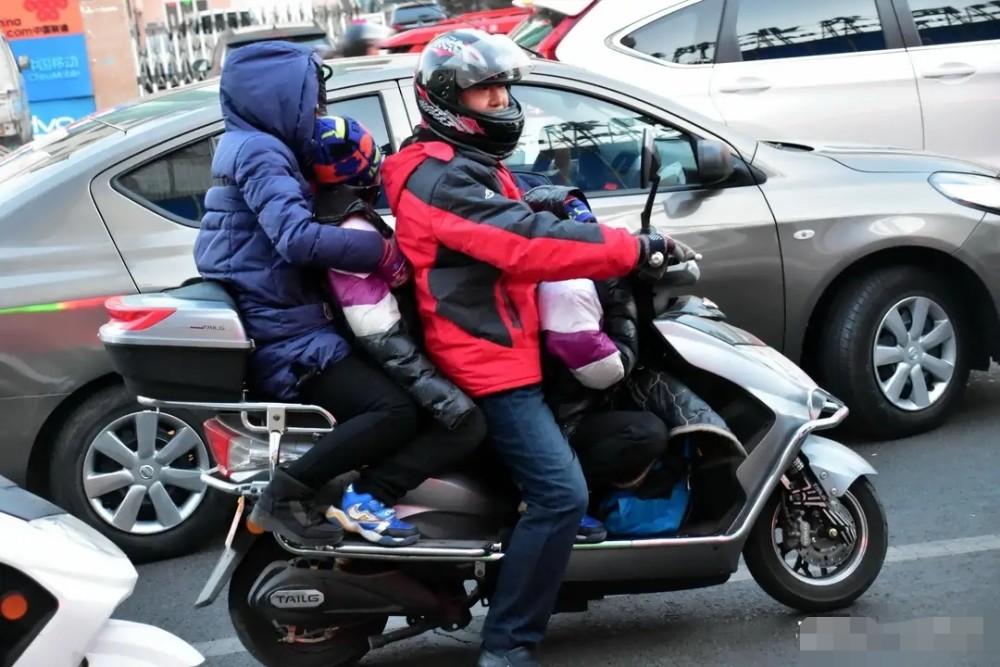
263, 639
853, 572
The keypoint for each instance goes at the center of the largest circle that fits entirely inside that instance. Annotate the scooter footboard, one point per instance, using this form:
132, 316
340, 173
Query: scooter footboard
835, 466
128, 644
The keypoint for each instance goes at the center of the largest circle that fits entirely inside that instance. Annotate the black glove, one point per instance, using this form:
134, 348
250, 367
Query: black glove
653, 249
681, 253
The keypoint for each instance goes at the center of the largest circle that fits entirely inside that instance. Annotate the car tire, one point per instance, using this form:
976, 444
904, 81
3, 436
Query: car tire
885, 400
76, 455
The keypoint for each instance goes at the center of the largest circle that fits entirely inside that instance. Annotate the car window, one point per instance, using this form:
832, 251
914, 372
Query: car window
583, 141
174, 184
417, 13
769, 29
530, 32
955, 21
686, 37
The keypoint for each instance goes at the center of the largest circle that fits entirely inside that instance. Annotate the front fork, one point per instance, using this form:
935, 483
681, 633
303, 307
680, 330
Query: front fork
804, 495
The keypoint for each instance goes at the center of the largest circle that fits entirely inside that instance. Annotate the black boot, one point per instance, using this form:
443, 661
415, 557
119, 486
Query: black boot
288, 507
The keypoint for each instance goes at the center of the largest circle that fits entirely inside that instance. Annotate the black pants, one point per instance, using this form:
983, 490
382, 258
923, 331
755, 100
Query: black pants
378, 426
616, 447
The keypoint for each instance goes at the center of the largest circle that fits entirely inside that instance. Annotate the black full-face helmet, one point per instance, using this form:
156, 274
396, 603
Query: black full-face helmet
464, 59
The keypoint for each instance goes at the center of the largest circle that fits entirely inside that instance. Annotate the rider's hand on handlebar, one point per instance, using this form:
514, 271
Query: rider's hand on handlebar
682, 253
654, 248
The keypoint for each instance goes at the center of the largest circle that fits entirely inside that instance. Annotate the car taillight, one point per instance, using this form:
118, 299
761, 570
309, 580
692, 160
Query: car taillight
235, 451
135, 318
25, 608
547, 47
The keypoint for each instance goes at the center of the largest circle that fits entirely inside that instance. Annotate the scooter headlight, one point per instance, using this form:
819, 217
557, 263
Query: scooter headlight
973, 190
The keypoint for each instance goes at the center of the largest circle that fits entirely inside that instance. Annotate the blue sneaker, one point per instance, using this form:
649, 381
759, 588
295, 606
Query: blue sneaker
591, 531
360, 513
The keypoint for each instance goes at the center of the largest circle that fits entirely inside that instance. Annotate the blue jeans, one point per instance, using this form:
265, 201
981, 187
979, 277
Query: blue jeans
554, 491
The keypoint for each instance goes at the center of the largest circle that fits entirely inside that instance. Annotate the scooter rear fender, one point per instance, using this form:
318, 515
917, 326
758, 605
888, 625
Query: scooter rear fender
835, 466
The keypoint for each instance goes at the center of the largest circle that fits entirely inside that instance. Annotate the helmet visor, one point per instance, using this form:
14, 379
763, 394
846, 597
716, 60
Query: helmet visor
488, 60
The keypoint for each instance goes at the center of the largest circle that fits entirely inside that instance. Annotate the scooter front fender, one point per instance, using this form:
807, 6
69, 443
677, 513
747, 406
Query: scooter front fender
128, 644
835, 466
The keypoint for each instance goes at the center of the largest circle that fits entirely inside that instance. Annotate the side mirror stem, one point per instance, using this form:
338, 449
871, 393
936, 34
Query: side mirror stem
647, 211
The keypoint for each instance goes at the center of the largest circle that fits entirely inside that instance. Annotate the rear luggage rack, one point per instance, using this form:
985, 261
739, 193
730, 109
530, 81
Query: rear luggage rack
275, 425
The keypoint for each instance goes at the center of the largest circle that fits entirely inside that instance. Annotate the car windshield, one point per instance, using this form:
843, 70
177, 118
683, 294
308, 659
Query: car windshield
77, 141
530, 32
414, 14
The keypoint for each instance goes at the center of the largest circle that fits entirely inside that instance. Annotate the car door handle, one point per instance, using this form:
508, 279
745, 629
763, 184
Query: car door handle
950, 71
746, 84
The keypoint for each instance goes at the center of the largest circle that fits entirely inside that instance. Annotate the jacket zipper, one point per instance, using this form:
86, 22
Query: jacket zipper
508, 305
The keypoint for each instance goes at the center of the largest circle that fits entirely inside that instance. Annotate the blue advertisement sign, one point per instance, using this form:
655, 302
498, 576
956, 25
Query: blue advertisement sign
51, 115
59, 67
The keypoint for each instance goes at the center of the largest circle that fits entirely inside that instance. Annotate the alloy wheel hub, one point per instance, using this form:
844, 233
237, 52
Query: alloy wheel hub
915, 353
142, 473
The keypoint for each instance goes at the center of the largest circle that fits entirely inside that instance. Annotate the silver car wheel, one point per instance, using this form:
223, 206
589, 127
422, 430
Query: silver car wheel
915, 353
142, 474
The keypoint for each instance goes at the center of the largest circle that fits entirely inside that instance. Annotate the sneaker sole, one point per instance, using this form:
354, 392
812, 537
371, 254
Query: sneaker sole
592, 539
373, 536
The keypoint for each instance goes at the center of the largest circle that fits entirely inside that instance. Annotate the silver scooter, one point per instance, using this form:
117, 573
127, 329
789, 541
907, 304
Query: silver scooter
799, 508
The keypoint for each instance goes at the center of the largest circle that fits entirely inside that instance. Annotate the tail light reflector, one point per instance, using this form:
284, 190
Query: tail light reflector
135, 318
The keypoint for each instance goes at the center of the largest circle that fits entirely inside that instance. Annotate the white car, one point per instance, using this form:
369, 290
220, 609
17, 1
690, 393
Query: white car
917, 74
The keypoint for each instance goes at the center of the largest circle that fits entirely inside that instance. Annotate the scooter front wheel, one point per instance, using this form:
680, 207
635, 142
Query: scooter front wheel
275, 646
827, 572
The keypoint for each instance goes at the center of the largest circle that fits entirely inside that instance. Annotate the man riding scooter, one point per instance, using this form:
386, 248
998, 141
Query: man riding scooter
478, 253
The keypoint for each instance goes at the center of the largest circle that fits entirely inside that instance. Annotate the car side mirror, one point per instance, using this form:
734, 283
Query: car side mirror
649, 165
201, 66
715, 161
23, 62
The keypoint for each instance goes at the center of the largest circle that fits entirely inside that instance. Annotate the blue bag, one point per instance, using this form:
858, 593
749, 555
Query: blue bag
629, 516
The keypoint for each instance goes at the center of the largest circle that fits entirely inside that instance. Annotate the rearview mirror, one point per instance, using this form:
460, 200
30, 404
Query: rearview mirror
649, 165
23, 62
715, 161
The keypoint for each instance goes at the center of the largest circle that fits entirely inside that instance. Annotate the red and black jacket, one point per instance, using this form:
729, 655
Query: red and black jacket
478, 253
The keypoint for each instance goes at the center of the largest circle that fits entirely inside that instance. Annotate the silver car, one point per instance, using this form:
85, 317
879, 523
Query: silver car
877, 269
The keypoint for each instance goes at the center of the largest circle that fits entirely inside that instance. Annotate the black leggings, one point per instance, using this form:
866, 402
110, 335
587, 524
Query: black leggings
377, 427
617, 447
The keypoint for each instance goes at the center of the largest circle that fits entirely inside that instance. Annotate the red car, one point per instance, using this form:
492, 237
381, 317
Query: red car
500, 21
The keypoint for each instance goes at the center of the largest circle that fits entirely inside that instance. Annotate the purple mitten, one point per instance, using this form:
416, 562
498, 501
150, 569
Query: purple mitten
394, 269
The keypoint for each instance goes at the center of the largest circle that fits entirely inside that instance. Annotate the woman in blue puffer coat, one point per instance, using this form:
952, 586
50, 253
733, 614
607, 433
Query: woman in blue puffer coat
260, 239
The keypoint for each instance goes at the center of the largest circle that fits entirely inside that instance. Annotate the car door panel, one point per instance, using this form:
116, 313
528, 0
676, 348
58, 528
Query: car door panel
732, 227
812, 70
735, 232
955, 51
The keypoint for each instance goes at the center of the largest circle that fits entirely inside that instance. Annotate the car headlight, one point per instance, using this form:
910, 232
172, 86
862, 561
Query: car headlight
973, 190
